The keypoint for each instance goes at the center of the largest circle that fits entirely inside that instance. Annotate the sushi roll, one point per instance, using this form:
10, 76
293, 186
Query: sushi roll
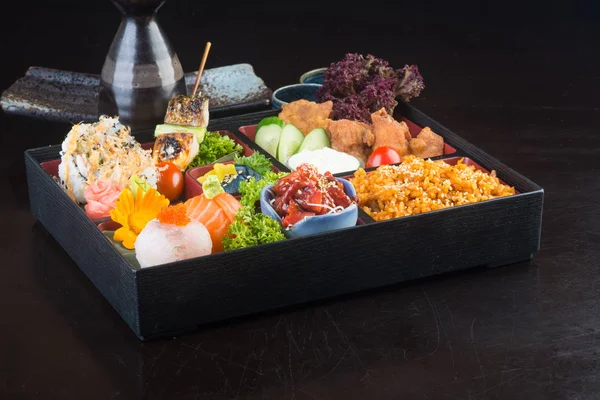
104, 150
179, 148
188, 111
171, 237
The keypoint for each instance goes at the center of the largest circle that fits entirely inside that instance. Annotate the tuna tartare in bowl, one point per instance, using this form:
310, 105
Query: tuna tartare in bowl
306, 202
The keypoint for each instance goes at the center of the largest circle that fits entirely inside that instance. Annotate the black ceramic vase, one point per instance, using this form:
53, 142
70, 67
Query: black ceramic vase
141, 71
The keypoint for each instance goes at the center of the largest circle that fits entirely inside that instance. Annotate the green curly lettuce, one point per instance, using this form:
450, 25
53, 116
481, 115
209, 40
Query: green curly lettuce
250, 190
256, 161
251, 229
213, 147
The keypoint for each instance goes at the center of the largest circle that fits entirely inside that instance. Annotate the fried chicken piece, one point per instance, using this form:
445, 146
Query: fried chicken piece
389, 132
307, 115
352, 137
417, 146
427, 144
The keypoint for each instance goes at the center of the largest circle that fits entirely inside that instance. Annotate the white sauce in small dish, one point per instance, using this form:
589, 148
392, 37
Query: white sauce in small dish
325, 159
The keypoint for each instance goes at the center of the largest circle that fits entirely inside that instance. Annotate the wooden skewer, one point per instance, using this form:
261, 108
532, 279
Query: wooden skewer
206, 49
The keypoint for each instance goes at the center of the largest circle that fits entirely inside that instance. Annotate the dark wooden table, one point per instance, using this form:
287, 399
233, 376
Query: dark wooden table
520, 82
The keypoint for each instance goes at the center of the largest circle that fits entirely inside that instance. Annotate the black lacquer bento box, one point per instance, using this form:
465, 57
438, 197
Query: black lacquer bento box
179, 297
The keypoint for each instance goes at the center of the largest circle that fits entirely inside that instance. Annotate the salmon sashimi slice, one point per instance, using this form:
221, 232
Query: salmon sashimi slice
215, 214
229, 204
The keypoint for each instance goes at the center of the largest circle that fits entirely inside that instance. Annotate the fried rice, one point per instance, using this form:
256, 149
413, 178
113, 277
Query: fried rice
418, 185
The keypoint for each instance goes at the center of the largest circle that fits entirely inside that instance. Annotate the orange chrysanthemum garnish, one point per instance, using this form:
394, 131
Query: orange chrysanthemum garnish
134, 213
174, 215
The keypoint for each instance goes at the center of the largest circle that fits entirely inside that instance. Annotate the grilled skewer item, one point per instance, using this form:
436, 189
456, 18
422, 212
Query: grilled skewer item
188, 111
180, 148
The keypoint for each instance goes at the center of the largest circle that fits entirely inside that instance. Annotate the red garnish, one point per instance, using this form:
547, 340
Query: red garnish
174, 215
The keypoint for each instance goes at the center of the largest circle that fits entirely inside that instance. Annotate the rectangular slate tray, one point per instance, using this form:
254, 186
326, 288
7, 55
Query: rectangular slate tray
179, 297
68, 96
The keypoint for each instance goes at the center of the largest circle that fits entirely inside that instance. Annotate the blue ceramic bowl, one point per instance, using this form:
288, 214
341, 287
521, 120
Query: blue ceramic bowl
290, 93
317, 224
314, 76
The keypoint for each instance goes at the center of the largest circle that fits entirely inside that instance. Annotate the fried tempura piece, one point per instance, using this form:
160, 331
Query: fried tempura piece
389, 132
427, 144
352, 137
306, 115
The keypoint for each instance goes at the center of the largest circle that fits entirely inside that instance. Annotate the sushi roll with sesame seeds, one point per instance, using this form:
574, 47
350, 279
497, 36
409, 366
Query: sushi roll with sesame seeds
104, 150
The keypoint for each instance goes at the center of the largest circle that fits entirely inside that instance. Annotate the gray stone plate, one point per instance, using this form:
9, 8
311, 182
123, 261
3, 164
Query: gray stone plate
73, 96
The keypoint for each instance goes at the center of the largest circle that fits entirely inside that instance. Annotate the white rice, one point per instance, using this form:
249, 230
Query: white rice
325, 159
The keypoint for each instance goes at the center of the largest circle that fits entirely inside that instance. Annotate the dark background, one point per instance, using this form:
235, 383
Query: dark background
519, 80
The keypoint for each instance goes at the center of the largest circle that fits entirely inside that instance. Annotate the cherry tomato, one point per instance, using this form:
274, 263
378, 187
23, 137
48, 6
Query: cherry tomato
383, 155
170, 180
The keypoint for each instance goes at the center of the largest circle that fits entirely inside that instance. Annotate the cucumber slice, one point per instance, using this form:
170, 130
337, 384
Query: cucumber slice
267, 137
315, 140
270, 121
198, 131
291, 138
